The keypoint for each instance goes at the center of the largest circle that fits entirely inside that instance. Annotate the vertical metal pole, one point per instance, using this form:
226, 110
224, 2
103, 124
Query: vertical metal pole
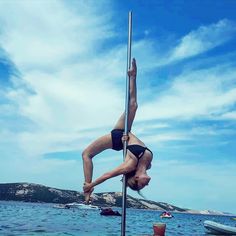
123, 220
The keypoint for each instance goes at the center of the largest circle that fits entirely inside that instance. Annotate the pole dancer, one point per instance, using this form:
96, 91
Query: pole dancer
137, 158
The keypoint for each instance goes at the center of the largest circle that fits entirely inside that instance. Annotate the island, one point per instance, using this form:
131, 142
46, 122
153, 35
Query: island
30, 192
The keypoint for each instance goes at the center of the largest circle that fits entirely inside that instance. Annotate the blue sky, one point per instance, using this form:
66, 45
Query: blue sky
62, 84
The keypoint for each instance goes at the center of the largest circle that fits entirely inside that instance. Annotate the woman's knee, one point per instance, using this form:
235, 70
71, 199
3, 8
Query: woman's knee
87, 154
133, 105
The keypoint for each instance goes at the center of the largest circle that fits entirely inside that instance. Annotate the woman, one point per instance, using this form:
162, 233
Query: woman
138, 157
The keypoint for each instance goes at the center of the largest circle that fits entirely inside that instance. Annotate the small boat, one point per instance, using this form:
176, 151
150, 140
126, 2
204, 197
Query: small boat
82, 206
166, 214
217, 228
61, 206
109, 212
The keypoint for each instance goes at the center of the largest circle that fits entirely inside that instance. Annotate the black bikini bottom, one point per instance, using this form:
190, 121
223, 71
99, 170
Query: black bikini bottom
116, 137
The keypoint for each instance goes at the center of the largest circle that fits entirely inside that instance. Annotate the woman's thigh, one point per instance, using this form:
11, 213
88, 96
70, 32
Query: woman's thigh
99, 145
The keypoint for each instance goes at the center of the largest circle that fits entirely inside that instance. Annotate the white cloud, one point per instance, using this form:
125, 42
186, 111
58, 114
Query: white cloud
186, 181
228, 116
81, 87
166, 137
199, 41
66, 85
64, 81
193, 94
48, 33
203, 39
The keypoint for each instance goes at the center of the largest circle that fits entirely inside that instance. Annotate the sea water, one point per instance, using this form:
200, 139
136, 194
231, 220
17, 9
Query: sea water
19, 218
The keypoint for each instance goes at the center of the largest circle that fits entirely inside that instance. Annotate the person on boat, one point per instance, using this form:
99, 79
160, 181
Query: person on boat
166, 214
138, 157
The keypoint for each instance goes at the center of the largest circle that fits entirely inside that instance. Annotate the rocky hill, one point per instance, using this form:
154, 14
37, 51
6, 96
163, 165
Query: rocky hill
39, 193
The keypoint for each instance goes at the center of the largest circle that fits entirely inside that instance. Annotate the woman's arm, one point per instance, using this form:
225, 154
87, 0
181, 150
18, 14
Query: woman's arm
124, 168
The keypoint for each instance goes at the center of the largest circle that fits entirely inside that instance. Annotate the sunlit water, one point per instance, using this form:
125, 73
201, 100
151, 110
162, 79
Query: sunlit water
18, 218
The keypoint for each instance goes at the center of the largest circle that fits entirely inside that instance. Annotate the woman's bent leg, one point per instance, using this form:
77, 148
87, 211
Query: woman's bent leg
92, 150
99, 145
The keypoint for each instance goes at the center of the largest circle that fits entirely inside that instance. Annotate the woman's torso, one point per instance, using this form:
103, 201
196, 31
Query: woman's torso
134, 140
137, 149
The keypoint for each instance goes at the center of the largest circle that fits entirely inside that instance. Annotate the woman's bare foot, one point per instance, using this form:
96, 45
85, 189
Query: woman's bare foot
87, 197
88, 189
132, 73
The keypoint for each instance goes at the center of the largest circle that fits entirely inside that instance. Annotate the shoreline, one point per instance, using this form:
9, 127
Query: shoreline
132, 208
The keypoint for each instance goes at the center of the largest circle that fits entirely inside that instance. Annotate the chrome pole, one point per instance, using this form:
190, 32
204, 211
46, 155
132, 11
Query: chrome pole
124, 188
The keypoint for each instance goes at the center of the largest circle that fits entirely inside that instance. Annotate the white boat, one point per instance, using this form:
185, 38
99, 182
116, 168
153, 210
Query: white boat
217, 228
61, 206
166, 214
82, 206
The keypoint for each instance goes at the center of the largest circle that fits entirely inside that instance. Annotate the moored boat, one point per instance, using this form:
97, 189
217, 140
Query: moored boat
166, 214
109, 212
217, 228
82, 206
61, 206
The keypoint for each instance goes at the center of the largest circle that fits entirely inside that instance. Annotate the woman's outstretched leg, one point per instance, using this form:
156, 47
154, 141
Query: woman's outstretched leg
133, 105
92, 150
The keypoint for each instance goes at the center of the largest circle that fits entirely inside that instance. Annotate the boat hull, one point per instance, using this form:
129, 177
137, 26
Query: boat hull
82, 206
217, 228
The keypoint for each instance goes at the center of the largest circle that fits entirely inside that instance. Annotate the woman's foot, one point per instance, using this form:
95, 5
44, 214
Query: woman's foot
87, 192
132, 73
87, 197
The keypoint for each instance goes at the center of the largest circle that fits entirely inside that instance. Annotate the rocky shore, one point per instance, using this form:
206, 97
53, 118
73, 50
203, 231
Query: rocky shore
29, 192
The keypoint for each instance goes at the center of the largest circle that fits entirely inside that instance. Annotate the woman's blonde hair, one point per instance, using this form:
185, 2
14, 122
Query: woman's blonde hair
132, 182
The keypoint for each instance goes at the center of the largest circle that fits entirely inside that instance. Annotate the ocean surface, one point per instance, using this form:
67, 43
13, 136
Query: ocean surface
19, 218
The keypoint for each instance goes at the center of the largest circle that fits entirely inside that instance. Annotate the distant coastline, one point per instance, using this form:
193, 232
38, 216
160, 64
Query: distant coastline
29, 192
